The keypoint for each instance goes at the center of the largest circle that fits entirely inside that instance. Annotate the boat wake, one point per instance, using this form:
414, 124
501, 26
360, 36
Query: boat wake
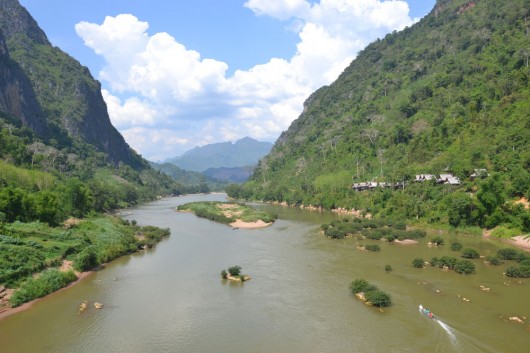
447, 329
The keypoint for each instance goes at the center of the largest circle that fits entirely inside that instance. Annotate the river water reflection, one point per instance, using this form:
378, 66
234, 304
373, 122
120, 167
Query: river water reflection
171, 299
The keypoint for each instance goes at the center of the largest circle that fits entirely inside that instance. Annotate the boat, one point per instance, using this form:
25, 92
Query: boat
425, 311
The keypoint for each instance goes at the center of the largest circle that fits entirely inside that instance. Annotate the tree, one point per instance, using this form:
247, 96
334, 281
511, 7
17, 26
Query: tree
234, 270
378, 298
470, 253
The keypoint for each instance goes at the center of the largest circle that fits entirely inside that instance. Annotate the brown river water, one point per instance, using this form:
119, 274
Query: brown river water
172, 299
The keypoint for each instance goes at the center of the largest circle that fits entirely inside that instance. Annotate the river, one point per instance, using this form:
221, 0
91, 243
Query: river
172, 299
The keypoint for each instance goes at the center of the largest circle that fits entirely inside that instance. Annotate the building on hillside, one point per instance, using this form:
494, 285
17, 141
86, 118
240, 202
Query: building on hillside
423, 177
448, 179
479, 173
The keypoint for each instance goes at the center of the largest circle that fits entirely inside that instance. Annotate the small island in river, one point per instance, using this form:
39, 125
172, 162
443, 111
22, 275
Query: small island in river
236, 215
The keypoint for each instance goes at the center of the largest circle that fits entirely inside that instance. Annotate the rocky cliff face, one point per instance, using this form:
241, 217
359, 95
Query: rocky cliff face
47, 90
17, 97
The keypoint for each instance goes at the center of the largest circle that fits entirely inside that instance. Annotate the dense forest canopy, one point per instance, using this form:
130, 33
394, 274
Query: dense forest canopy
448, 95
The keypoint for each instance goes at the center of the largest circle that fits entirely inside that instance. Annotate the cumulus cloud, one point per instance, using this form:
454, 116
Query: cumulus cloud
165, 98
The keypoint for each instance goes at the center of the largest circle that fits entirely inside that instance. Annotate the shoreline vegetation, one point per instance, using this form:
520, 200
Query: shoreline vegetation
236, 215
37, 260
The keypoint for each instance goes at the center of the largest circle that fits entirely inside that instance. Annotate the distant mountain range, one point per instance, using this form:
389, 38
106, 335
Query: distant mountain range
243, 153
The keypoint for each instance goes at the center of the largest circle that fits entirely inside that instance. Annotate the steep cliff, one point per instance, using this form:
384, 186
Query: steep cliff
51, 92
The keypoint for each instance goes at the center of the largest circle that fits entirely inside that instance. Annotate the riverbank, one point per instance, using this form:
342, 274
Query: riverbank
8, 311
522, 242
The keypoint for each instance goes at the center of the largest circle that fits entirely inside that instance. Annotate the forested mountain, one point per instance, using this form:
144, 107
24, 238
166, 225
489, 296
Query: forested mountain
242, 153
51, 92
195, 182
60, 156
450, 94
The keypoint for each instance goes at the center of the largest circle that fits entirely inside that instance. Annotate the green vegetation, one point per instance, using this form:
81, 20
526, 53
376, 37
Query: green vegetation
370, 293
470, 253
47, 282
437, 240
456, 246
372, 247
493, 260
388, 268
418, 263
225, 212
27, 249
234, 273
449, 93
451, 263
371, 229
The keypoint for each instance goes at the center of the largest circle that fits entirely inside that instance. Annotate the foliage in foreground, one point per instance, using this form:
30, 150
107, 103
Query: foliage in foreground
29, 248
371, 293
47, 282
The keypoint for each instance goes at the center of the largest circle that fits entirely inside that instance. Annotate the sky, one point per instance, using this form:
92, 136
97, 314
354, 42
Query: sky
180, 74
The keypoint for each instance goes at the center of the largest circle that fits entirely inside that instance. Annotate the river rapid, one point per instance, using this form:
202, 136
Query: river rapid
172, 299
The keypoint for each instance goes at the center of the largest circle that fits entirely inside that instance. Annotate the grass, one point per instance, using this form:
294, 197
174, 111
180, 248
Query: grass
225, 212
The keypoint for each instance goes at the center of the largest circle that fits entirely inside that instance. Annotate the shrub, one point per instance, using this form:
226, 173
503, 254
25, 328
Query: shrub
447, 261
456, 246
48, 282
470, 253
518, 271
464, 267
437, 240
378, 298
388, 268
372, 248
334, 233
507, 254
418, 262
224, 274
86, 260
359, 285
492, 260
234, 270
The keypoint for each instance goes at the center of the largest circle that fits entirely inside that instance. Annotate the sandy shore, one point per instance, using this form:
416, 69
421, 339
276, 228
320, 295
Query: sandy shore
26, 306
249, 225
406, 241
521, 242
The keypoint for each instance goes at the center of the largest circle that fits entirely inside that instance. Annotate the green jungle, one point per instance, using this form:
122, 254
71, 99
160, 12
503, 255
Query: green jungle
447, 96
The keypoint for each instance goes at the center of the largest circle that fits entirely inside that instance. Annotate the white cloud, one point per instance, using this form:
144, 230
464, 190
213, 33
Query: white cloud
166, 99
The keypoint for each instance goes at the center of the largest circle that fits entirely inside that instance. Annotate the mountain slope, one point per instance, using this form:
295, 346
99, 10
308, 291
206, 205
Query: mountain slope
244, 152
52, 85
450, 93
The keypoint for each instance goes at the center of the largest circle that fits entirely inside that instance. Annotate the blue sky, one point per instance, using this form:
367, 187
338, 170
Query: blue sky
177, 74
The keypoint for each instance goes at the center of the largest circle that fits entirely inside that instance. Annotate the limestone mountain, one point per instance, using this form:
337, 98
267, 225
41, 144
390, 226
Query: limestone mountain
52, 93
447, 95
242, 153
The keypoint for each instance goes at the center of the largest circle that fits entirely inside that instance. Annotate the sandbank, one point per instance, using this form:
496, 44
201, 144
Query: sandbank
520, 241
406, 241
249, 225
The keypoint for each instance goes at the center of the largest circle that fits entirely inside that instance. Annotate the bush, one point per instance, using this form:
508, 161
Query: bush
49, 281
334, 233
378, 298
372, 248
456, 246
86, 260
224, 274
234, 270
418, 262
464, 267
518, 271
388, 268
437, 240
470, 253
359, 285
507, 254
492, 260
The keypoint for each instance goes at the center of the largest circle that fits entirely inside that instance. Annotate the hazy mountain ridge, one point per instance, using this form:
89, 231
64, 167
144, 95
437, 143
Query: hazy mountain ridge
244, 152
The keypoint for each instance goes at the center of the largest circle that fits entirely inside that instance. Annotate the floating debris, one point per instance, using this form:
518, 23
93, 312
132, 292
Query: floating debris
83, 306
98, 305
